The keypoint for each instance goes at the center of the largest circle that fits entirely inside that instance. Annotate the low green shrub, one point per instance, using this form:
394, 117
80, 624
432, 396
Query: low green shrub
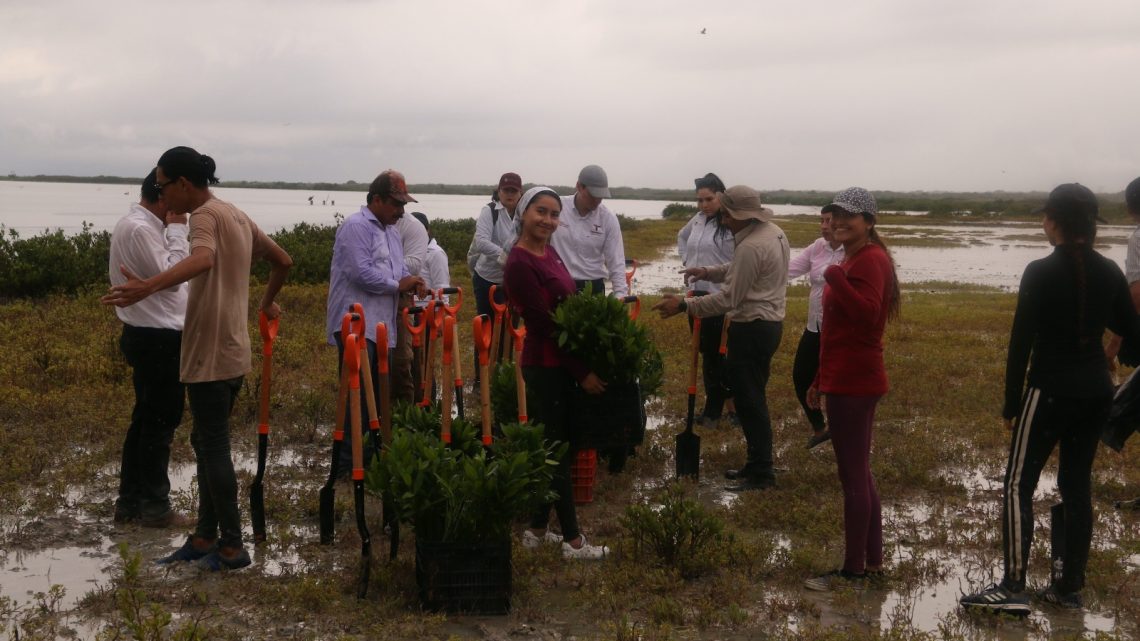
679, 533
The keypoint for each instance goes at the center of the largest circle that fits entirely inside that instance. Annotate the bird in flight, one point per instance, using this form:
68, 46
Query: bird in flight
703, 30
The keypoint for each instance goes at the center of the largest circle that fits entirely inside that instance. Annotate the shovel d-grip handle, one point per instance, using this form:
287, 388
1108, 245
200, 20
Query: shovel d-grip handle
413, 322
268, 330
481, 334
635, 306
518, 334
358, 321
448, 291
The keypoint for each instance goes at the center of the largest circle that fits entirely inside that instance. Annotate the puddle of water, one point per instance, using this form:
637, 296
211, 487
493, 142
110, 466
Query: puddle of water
78, 569
990, 259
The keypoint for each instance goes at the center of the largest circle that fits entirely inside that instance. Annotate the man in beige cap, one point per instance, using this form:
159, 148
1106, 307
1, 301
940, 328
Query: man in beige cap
753, 295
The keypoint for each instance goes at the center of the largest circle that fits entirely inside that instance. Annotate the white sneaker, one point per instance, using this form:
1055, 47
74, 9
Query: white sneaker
587, 551
531, 540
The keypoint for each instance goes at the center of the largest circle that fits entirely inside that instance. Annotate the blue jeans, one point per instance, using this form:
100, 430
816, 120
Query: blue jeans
153, 354
211, 404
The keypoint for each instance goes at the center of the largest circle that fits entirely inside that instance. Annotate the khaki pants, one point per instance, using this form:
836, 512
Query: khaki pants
403, 380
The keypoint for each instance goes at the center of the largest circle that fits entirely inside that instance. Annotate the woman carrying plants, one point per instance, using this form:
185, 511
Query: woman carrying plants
812, 262
861, 294
706, 241
1065, 302
755, 284
537, 282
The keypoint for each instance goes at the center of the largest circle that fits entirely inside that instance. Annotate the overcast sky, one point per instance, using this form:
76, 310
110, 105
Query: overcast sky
888, 94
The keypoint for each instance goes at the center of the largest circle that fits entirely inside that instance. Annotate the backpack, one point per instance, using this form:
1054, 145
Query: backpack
472, 255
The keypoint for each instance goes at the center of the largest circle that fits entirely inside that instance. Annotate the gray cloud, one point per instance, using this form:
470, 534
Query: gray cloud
889, 93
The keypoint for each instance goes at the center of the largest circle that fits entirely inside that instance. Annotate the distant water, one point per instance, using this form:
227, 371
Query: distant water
31, 207
991, 259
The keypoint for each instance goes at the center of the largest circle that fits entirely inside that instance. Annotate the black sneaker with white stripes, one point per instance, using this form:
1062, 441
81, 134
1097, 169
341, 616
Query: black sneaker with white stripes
999, 599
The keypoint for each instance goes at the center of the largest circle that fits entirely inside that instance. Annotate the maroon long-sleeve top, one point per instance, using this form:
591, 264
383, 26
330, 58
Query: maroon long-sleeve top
856, 302
535, 286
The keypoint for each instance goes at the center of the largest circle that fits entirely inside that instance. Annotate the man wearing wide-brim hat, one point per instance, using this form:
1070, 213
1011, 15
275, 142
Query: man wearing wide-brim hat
753, 296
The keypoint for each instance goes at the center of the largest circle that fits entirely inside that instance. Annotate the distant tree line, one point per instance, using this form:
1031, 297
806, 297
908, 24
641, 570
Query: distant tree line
967, 205
56, 263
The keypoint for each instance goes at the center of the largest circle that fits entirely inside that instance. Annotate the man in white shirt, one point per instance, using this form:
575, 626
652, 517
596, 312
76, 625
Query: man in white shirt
434, 270
147, 241
588, 238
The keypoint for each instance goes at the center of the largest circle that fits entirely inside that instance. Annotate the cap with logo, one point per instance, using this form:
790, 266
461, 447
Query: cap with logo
391, 183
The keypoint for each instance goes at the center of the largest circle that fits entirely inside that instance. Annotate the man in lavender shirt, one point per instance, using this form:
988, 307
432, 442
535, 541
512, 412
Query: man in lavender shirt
368, 268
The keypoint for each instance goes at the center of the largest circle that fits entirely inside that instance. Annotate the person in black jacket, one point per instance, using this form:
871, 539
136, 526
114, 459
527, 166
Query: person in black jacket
1065, 302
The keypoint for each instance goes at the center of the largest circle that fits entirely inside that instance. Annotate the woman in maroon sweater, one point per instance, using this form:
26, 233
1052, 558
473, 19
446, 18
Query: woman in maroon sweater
861, 293
536, 281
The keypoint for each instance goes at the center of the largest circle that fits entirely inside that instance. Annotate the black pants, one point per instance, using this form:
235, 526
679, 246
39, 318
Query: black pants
599, 286
553, 390
803, 374
714, 370
1046, 422
482, 288
211, 404
751, 345
344, 464
153, 354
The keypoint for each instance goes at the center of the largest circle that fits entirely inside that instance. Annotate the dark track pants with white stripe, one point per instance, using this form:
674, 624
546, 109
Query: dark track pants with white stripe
1048, 421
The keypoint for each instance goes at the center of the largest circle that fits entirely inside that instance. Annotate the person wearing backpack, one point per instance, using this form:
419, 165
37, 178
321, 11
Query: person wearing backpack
494, 235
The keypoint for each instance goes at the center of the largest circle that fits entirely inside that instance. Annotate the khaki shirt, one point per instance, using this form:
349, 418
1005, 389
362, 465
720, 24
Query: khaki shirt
215, 339
755, 282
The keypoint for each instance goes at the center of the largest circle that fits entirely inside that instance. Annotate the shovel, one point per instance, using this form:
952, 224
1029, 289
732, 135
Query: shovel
1057, 541
414, 323
389, 515
688, 443
497, 338
630, 262
517, 336
328, 491
257, 488
634, 306
453, 312
445, 404
366, 379
433, 320
352, 363
481, 330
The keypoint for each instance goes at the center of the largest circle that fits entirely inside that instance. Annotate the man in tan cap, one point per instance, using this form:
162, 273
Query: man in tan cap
753, 295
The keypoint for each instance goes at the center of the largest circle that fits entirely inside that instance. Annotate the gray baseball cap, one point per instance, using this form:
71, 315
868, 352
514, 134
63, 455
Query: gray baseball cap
594, 179
855, 200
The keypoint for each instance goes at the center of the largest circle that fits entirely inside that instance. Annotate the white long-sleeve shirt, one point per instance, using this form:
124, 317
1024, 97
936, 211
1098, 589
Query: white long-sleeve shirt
436, 273
813, 261
414, 239
591, 245
493, 241
704, 243
139, 244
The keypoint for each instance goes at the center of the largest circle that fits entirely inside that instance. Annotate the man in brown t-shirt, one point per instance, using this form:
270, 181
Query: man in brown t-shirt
215, 339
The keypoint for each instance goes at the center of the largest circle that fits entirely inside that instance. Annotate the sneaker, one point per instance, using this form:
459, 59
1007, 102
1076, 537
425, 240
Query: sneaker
818, 438
587, 551
1054, 597
531, 540
835, 580
215, 561
188, 552
998, 599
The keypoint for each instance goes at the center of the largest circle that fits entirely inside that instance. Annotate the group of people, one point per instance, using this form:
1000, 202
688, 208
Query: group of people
181, 288
855, 290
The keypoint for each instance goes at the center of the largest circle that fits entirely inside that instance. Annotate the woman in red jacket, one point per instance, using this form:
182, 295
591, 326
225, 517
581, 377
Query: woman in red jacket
861, 294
